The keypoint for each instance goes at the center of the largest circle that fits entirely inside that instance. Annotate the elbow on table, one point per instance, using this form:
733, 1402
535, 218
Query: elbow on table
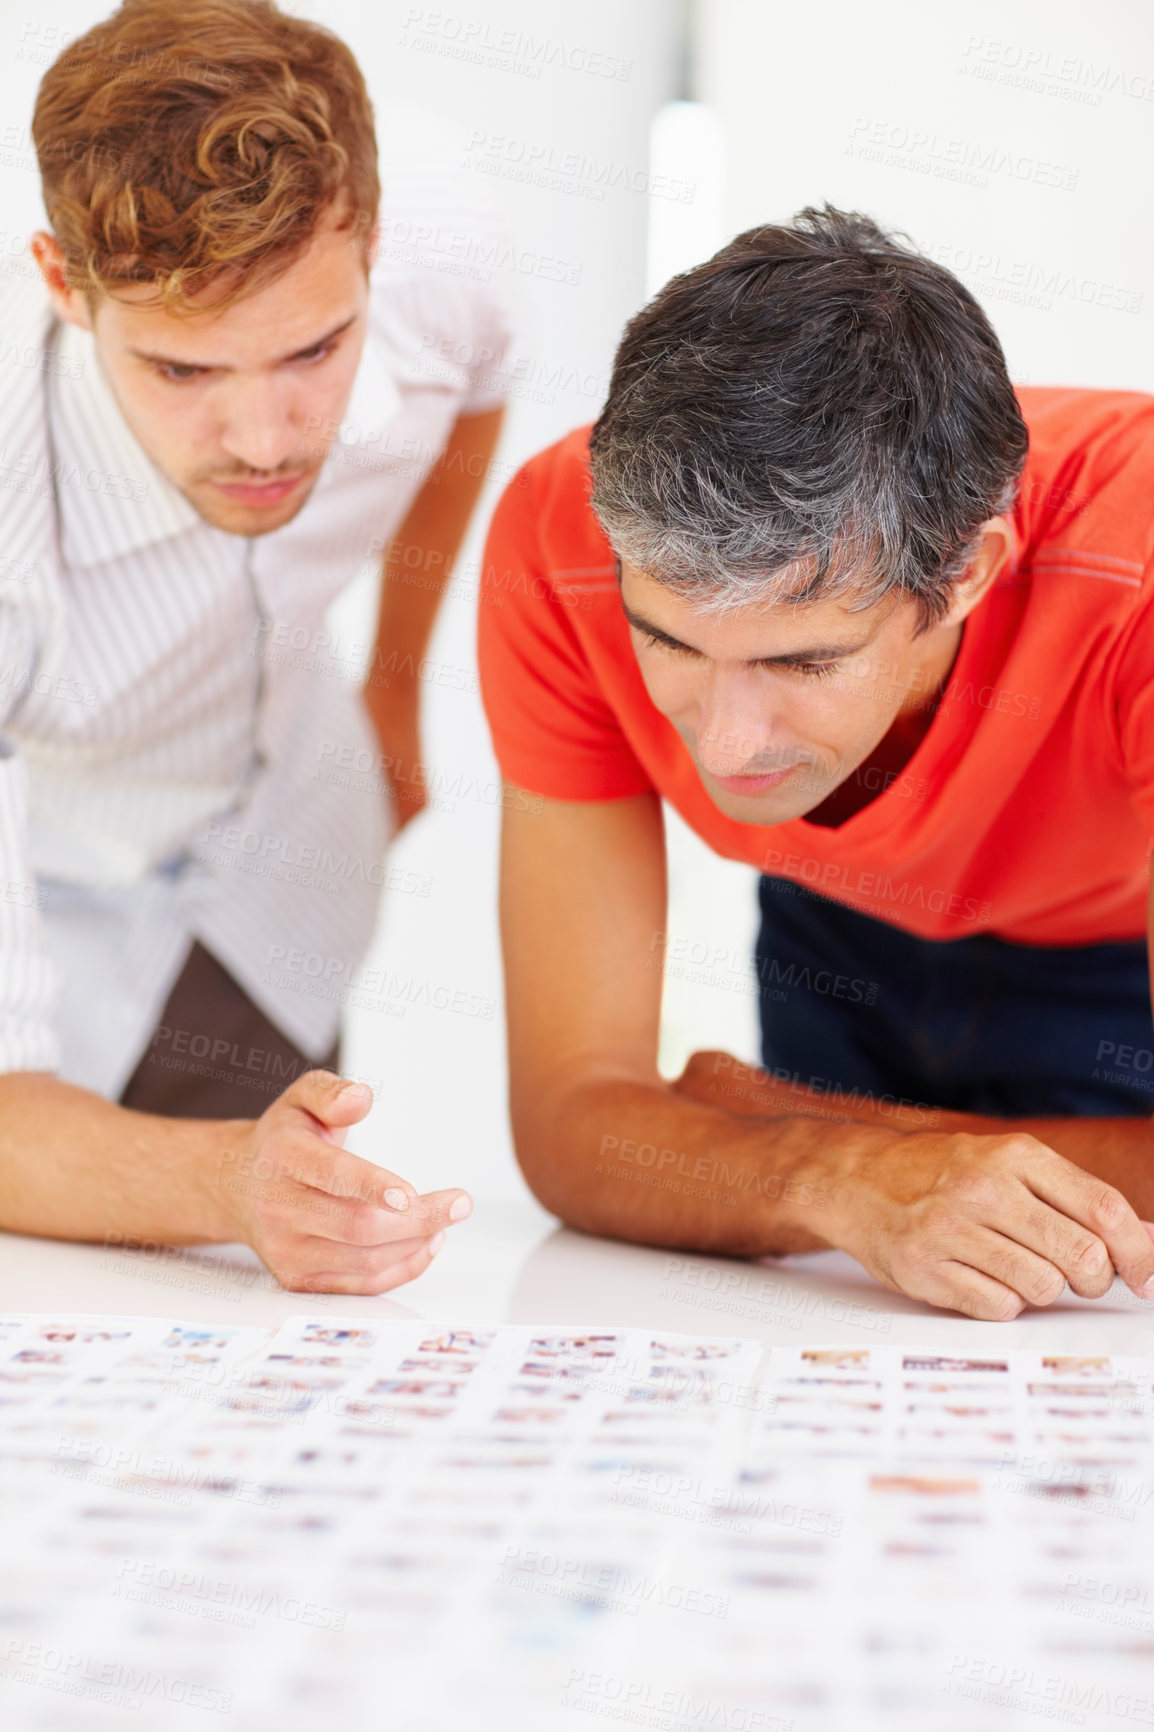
551, 1185
559, 1181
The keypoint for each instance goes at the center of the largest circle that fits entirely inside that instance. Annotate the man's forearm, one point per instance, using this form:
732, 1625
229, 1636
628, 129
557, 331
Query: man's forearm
725, 1159
410, 602
417, 570
74, 1166
652, 1164
1118, 1151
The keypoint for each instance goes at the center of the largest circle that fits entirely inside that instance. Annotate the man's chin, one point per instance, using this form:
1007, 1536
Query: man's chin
239, 517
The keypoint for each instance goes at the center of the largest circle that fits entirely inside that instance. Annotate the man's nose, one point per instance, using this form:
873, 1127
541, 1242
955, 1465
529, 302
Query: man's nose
737, 722
259, 428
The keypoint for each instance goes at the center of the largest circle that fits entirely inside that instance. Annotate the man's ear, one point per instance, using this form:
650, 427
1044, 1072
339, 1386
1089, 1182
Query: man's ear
68, 304
995, 550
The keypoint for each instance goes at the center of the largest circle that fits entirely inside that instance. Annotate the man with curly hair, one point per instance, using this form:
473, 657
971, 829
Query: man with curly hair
222, 399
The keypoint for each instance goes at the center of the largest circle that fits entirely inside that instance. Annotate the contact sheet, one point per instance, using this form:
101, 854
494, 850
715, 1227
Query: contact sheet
421, 1525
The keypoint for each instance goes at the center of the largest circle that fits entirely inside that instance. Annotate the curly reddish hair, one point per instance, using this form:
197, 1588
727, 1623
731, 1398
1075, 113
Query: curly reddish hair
198, 143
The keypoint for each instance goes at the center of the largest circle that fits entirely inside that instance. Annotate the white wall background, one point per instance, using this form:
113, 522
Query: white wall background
1013, 139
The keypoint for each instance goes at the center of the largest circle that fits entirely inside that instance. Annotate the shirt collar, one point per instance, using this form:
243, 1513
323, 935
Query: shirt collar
112, 498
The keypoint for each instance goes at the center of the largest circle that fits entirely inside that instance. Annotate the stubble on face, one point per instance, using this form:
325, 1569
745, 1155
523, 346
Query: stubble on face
226, 404
769, 740
225, 498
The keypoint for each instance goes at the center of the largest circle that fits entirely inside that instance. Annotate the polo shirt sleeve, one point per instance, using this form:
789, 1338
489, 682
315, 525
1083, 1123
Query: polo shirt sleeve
554, 731
28, 977
1134, 698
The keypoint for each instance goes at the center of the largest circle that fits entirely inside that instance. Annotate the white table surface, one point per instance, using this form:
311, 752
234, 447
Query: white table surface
512, 1263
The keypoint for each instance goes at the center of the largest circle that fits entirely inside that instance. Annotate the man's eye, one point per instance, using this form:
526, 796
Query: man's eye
815, 670
317, 354
652, 642
177, 374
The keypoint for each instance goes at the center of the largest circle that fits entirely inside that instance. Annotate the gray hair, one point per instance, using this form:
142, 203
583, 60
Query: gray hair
818, 412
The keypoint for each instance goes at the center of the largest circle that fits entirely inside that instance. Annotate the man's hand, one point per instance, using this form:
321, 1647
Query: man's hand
985, 1224
323, 1220
985, 1221
396, 721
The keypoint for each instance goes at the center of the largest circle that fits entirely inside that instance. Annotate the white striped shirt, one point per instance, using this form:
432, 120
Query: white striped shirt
173, 716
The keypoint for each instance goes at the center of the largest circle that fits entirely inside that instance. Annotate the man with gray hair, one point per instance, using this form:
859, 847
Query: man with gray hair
881, 627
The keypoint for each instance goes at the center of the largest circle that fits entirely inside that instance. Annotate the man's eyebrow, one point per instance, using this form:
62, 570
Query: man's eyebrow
792, 658
212, 367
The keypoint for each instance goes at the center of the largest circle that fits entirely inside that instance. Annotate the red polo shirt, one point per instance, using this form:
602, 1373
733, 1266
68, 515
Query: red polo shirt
1027, 809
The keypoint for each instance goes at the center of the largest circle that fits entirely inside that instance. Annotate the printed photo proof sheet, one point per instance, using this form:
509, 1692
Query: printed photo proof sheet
425, 1526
